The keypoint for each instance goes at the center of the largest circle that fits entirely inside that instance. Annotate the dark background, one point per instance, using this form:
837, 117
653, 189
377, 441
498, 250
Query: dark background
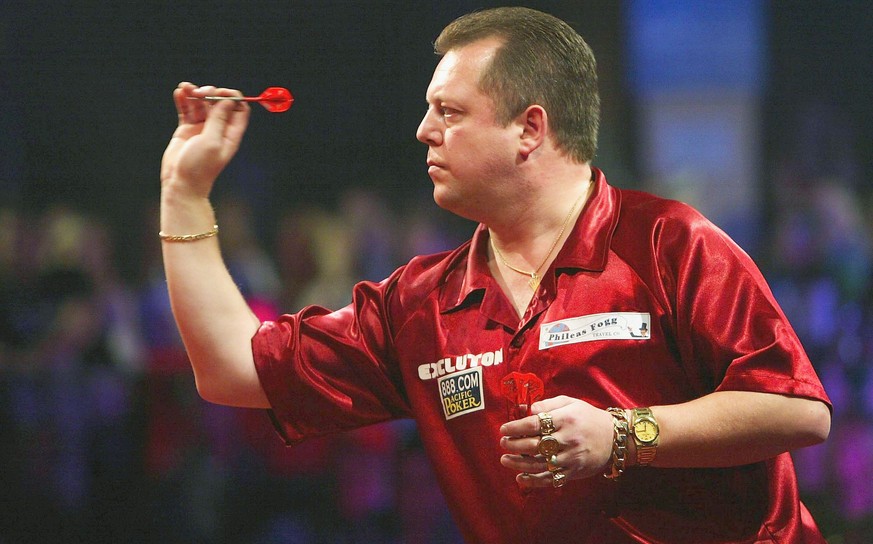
88, 107
87, 89
87, 111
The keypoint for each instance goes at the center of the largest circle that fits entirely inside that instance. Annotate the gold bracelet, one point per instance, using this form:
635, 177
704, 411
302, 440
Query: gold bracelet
620, 429
188, 237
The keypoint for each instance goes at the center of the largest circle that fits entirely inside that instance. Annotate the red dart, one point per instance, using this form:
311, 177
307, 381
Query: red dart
274, 99
522, 389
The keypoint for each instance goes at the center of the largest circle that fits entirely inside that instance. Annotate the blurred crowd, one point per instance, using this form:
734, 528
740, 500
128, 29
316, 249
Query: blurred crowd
818, 258
103, 437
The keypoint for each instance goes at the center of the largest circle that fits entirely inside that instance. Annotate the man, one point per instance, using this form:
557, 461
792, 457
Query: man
665, 363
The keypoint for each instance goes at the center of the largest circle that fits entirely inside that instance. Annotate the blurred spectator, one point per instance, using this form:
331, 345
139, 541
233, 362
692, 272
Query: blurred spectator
246, 257
295, 255
333, 258
820, 263
374, 233
70, 373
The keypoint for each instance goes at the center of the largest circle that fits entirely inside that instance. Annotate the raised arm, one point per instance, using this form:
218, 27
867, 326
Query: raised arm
214, 319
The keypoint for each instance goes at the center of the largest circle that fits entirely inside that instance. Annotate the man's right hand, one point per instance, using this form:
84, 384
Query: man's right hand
208, 136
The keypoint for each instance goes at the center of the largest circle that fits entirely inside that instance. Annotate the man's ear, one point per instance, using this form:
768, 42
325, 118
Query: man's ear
534, 124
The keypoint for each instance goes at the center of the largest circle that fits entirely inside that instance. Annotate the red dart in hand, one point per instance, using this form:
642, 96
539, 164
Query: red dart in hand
521, 389
274, 99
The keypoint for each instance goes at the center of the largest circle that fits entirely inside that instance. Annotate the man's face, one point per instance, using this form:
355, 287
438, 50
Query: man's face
469, 152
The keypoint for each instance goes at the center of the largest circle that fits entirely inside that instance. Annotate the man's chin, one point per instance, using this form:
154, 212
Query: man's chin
443, 195
452, 204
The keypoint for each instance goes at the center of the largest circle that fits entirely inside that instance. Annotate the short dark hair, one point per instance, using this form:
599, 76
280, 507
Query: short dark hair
542, 61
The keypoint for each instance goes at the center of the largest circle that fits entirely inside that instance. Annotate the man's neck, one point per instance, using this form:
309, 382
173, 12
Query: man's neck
541, 209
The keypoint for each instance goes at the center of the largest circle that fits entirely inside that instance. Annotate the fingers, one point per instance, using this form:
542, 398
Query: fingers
231, 118
526, 445
530, 426
220, 115
227, 120
192, 111
540, 463
574, 446
527, 426
531, 464
533, 471
551, 404
542, 479
208, 135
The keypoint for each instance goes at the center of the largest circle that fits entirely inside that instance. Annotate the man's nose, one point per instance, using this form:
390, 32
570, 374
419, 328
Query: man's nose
428, 131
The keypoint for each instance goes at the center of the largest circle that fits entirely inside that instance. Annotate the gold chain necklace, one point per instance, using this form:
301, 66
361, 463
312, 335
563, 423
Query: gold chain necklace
535, 278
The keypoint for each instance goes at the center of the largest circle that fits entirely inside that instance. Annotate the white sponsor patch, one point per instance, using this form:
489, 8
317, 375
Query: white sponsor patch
461, 392
587, 328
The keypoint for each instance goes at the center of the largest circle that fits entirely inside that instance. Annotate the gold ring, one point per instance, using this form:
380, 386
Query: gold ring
552, 464
558, 479
548, 445
546, 425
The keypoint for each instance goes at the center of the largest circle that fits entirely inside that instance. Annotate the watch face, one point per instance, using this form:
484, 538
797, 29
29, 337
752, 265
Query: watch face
645, 431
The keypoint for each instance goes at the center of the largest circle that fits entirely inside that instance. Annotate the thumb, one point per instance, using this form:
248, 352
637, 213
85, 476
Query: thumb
218, 118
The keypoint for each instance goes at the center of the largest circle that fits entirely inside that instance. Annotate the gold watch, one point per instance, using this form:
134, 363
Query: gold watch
644, 428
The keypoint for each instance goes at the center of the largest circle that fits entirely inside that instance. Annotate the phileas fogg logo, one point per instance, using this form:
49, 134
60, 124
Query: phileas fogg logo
589, 328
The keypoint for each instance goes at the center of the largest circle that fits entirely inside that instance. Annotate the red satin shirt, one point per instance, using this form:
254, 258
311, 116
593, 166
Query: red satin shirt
647, 303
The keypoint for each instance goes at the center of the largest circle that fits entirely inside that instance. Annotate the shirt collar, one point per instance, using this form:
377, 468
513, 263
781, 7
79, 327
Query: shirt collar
587, 248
